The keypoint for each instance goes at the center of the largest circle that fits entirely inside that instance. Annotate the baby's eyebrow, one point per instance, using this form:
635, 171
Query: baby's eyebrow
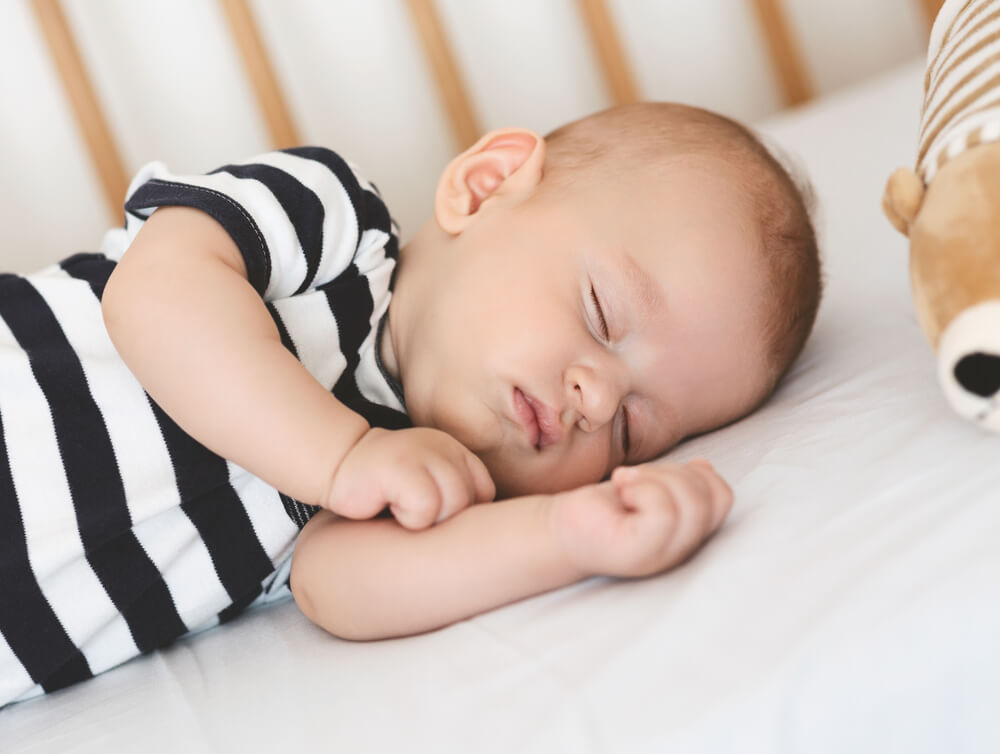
641, 286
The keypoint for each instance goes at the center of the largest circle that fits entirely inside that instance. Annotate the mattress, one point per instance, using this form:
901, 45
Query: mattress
849, 604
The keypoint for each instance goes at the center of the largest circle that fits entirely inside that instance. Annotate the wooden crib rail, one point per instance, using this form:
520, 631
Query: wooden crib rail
451, 89
80, 93
788, 63
259, 70
784, 52
608, 48
930, 9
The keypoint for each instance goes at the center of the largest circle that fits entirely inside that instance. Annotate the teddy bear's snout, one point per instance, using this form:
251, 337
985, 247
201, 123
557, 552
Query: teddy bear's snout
969, 364
979, 373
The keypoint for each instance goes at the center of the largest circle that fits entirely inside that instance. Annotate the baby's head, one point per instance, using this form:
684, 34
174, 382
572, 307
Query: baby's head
590, 299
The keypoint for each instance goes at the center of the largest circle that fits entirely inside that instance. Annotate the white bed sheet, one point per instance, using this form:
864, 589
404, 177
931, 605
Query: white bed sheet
849, 604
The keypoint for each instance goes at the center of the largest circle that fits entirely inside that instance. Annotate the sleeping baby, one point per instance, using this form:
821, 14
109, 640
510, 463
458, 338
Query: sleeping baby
253, 388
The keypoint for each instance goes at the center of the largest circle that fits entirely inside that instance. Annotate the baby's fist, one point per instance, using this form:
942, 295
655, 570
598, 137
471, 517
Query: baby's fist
644, 520
423, 475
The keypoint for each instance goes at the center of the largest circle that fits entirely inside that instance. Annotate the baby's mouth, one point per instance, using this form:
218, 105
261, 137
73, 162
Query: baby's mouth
540, 422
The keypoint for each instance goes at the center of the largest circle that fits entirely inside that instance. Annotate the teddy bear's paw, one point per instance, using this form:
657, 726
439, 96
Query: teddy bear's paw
904, 192
969, 364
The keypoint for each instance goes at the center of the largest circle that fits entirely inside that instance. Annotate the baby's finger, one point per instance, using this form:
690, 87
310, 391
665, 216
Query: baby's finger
651, 524
721, 492
456, 488
485, 489
415, 504
695, 510
355, 499
651, 500
629, 482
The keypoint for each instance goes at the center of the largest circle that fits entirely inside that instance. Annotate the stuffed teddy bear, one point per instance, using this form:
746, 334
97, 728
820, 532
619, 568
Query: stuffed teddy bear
949, 207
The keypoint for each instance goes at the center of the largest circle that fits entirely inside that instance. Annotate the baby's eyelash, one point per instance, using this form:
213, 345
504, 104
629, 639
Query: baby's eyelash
626, 440
602, 322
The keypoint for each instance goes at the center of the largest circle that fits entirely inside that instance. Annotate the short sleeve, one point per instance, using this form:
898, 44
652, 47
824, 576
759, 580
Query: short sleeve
300, 217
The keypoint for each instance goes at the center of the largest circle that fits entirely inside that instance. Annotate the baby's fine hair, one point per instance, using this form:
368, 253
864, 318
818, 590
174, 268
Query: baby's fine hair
650, 134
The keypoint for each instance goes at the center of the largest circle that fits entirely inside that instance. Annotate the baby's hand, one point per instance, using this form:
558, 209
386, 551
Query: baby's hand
644, 520
423, 475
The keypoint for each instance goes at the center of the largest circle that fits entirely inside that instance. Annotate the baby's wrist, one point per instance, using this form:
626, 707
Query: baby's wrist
340, 468
558, 521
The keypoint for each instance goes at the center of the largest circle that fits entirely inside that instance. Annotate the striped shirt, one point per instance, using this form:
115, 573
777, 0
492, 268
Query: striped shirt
962, 83
120, 533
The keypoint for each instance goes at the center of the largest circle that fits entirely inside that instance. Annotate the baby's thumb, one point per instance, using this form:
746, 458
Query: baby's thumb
486, 490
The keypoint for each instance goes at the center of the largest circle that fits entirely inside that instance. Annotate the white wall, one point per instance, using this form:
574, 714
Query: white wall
172, 87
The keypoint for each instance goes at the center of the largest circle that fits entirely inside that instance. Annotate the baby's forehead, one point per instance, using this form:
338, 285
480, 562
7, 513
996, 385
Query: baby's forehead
723, 182
679, 205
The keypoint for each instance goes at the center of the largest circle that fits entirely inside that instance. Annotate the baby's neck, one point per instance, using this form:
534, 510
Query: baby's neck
413, 285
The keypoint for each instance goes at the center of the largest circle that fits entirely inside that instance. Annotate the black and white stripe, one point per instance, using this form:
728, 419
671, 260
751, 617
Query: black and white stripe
118, 531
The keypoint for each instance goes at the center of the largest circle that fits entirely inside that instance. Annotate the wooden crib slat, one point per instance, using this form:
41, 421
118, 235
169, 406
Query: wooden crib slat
464, 126
261, 74
784, 52
930, 9
610, 54
83, 100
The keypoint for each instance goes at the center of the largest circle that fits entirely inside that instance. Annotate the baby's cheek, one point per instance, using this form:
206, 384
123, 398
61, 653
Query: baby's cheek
587, 464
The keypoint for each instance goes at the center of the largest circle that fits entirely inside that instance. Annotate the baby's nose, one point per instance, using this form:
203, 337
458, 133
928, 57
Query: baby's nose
593, 395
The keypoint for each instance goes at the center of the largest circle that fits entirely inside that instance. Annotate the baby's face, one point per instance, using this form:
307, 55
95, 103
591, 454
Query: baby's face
594, 327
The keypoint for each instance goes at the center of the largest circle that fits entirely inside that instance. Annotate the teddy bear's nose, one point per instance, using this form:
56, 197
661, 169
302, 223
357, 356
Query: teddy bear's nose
979, 373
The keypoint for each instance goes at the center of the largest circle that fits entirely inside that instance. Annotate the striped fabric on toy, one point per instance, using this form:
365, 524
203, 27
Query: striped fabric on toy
962, 84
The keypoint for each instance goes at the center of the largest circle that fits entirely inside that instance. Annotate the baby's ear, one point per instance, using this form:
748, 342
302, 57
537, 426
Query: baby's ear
503, 165
904, 193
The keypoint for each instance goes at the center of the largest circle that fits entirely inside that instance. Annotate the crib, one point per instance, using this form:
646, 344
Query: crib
848, 604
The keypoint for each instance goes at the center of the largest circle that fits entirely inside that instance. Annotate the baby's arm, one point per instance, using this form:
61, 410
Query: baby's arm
374, 579
184, 318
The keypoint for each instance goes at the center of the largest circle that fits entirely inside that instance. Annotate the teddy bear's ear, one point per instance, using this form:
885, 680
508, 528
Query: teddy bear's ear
901, 201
